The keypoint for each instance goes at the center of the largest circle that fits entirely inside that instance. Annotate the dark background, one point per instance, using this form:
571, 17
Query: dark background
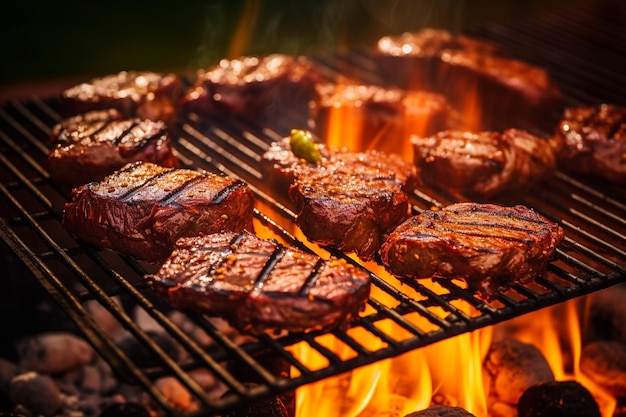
75, 40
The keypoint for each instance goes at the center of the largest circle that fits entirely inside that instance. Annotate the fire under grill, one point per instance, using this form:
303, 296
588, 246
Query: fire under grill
582, 50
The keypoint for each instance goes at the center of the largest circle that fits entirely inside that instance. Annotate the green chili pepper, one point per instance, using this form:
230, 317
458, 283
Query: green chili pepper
303, 145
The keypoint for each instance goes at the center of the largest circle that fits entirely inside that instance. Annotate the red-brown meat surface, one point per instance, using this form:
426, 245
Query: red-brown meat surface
592, 140
482, 165
349, 200
145, 94
491, 89
89, 146
488, 246
142, 209
252, 86
259, 284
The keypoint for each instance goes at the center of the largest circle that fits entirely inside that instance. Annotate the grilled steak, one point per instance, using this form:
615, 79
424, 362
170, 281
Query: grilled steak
259, 284
480, 79
88, 147
252, 86
145, 94
485, 164
364, 117
348, 200
412, 59
142, 209
489, 246
592, 140
81, 125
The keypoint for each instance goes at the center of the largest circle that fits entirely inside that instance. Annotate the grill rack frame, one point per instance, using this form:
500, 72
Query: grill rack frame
590, 259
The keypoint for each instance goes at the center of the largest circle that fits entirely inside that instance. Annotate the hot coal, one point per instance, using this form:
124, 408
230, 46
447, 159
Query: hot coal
604, 362
129, 409
510, 368
268, 407
441, 411
557, 399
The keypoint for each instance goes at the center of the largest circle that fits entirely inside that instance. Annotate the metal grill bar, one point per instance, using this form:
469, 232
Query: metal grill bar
591, 258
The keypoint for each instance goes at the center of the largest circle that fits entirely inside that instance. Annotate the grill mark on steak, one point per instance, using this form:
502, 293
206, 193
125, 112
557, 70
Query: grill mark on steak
313, 277
233, 244
173, 195
224, 192
130, 192
125, 133
271, 263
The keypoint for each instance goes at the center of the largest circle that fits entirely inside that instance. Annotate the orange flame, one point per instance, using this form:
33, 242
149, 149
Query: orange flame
447, 372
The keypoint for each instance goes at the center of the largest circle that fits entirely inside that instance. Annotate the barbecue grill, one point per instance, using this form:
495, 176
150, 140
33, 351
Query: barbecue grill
583, 50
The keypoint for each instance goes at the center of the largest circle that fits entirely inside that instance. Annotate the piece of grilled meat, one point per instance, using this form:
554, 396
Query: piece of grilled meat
90, 146
142, 209
252, 86
145, 94
347, 200
72, 129
478, 78
365, 116
259, 284
482, 165
489, 246
592, 140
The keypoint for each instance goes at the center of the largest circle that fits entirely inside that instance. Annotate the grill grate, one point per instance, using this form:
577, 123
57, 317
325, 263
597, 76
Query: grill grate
399, 317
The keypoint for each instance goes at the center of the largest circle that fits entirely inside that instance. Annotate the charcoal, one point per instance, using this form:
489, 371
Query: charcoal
557, 399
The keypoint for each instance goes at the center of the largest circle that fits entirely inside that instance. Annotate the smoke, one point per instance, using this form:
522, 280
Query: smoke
256, 27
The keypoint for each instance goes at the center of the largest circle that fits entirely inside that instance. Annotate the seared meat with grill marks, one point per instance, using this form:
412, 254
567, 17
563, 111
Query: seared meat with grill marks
259, 284
87, 148
81, 125
478, 78
489, 246
347, 200
592, 140
252, 86
373, 117
142, 209
145, 94
484, 164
